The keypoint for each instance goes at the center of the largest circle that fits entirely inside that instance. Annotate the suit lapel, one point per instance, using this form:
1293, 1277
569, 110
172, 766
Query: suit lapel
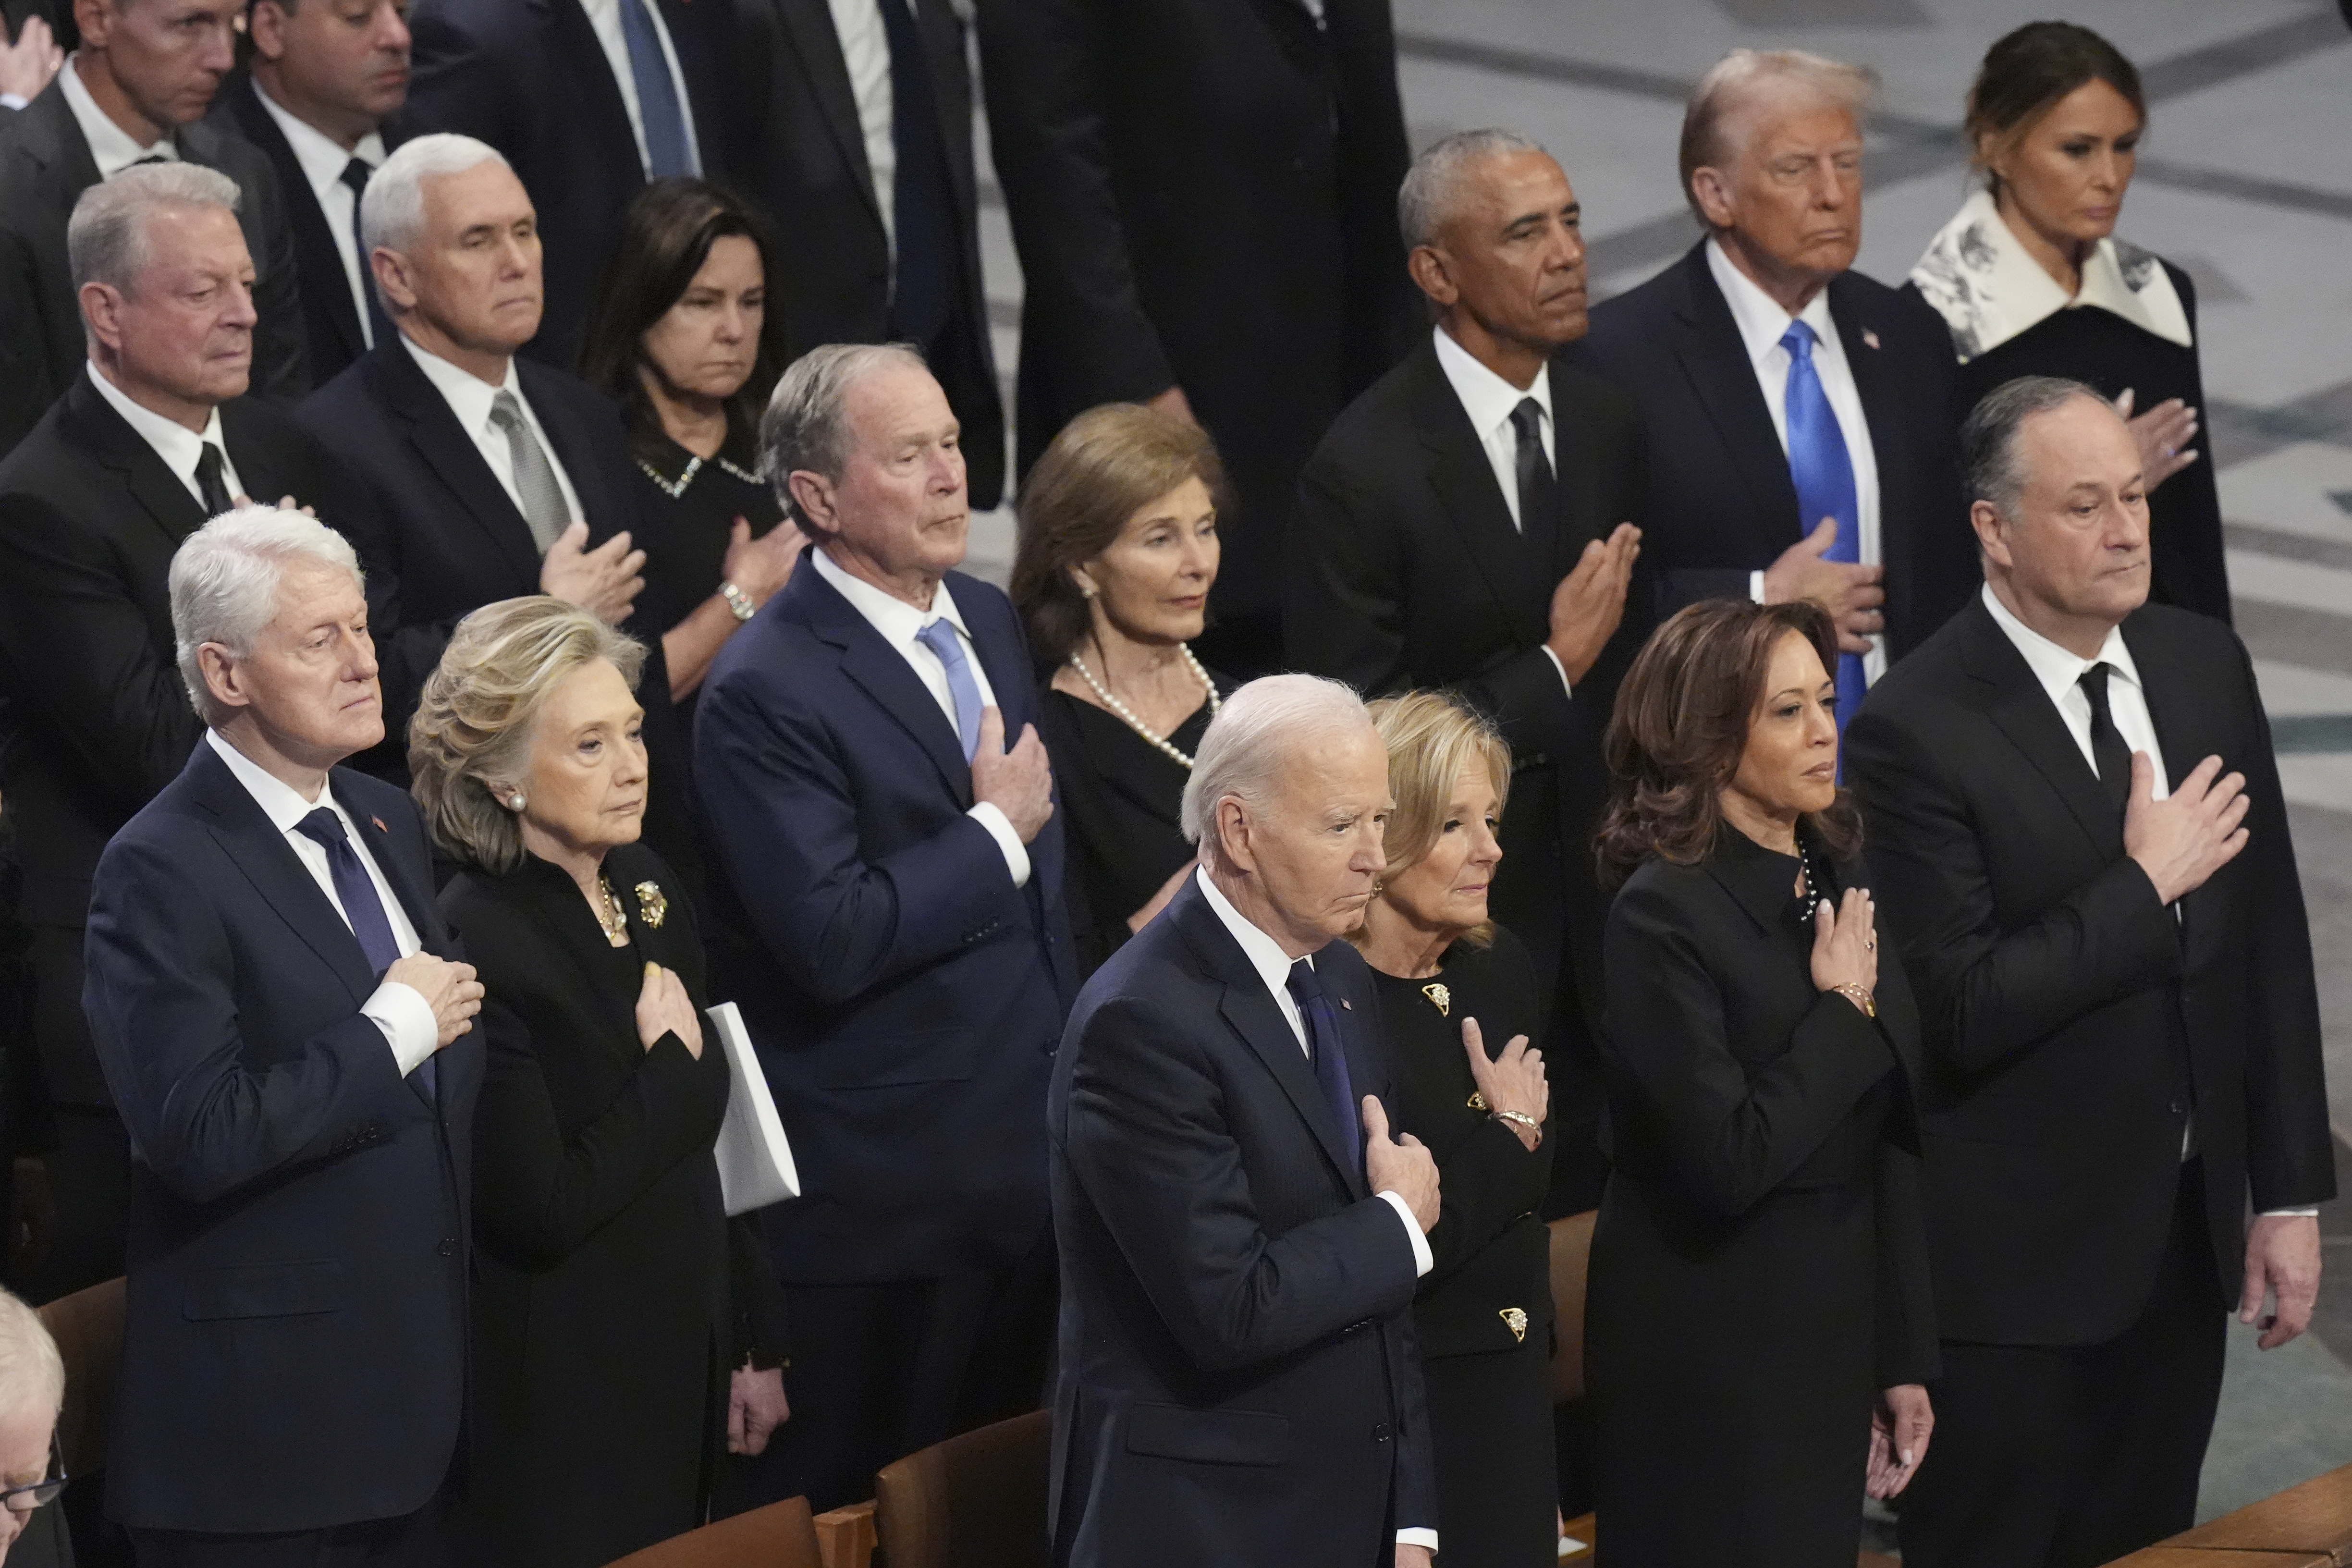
572, 446
1465, 486
884, 675
2019, 707
269, 863
1715, 360
1874, 383
449, 452
316, 253
595, 107
160, 494
810, 24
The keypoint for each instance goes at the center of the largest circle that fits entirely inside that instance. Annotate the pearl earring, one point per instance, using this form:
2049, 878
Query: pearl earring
515, 800
1086, 590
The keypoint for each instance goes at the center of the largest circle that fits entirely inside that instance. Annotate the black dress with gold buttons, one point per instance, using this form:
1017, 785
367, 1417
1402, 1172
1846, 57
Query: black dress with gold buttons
1484, 1312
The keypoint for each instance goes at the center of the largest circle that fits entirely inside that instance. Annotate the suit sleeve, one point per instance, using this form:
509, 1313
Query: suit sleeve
1042, 67
455, 84
1908, 1350
1485, 1185
1986, 994
1152, 1150
1416, 1472
160, 990
26, 379
1733, 1131
84, 657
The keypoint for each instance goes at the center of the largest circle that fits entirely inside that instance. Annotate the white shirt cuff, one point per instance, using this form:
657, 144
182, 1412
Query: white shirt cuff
403, 1015
1000, 827
1565, 685
1418, 1537
1756, 587
1422, 1260
2288, 1214
11, 100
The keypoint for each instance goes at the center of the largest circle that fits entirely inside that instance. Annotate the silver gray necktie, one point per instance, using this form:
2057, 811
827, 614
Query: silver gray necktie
542, 493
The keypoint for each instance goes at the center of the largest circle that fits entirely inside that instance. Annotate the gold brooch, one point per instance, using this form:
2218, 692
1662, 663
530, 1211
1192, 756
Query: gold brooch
1517, 1322
1441, 997
653, 907
1476, 1101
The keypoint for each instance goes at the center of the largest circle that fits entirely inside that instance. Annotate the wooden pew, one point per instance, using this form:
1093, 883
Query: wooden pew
2313, 1519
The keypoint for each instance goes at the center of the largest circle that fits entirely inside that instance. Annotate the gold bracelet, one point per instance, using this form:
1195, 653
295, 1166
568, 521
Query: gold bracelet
1858, 997
1523, 1118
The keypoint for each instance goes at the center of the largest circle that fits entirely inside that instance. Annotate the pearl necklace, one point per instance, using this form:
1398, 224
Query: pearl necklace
1805, 870
1136, 724
677, 488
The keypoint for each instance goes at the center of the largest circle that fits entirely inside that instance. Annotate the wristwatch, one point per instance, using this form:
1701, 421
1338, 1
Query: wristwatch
738, 601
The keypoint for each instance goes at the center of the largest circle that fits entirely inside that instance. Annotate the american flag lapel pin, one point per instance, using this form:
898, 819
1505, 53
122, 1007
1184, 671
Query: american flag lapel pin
1869, 337
1350, 1007
380, 827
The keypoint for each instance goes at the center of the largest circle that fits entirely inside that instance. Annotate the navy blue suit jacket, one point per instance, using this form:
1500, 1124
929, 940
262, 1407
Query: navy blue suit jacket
1239, 1379
295, 1354
905, 998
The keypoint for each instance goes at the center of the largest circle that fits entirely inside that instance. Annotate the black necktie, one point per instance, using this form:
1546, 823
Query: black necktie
923, 205
361, 907
1538, 489
1330, 1056
211, 489
2107, 749
355, 176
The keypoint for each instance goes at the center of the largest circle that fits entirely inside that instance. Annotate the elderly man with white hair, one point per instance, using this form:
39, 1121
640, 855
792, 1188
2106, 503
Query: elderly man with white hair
32, 1390
284, 1023
1800, 416
155, 435
1240, 1236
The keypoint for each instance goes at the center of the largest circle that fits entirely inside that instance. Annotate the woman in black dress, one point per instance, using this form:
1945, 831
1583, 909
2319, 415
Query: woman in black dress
2032, 282
1757, 1327
679, 337
1119, 547
1458, 1001
625, 1329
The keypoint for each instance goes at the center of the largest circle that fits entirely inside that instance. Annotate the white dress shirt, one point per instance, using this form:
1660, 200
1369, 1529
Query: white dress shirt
469, 398
180, 448
1489, 401
400, 1010
865, 51
111, 146
604, 16
1762, 322
902, 625
1273, 966
322, 163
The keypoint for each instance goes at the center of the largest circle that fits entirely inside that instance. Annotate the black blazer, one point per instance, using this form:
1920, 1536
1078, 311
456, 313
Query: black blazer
1239, 1379
611, 1295
45, 166
807, 167
297, 1209
528, 78
1720, 504
1405, 571
330, 317
1203, 195
2057, 995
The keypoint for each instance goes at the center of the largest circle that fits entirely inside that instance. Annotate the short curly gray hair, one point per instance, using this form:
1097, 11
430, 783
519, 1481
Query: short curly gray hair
807, 423
473, 726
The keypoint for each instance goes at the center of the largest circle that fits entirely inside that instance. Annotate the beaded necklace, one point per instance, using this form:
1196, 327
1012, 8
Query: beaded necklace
1136, 724
677, 488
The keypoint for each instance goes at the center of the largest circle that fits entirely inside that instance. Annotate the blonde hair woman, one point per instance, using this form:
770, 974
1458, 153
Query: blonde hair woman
1458, 1001
622, 1325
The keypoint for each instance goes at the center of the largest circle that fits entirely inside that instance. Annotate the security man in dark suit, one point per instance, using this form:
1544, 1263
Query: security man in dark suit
2083, 852
135, 91
282, 1016
1464, 524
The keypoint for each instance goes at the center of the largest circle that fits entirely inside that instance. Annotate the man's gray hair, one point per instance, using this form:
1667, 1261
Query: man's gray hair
1255, 735
106, 238
1734, 83
392, 210
225, 581
32, 1372
1434, 186
806, 424
1989, 435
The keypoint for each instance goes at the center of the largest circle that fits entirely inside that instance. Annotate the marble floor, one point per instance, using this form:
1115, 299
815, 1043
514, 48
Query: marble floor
2245, 179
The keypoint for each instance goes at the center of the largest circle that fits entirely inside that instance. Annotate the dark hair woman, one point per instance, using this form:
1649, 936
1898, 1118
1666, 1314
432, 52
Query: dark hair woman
2032, 281
1119, 547
1757, 1323
679, 337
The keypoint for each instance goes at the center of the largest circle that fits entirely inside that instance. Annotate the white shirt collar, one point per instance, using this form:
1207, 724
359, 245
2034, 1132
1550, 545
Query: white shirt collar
1486, 398
1989, 289
277, 799
2059, 669
323, 161
111, 146
1265, 953
898, 622
469, 396
1759, 316
178, 446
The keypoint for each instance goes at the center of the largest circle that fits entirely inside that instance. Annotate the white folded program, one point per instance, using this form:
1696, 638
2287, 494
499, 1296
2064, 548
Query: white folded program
755, 1162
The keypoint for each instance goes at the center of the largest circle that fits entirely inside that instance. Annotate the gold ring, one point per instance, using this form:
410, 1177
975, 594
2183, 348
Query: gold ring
1870, 945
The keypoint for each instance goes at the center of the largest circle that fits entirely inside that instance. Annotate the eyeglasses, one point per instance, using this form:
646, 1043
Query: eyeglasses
33, 1494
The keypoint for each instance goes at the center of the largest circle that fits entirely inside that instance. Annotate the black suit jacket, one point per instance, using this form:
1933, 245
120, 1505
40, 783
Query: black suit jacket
1239, 1377
809, 170
330, 317
294, 1356
45, 166
1720, 504
528, 78
2055, 992
1203, 193
1406, 571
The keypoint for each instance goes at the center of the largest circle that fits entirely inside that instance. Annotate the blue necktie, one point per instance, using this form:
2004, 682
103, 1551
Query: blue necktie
940, 637
1823, 472
1331, 1059
361, 905
657, 106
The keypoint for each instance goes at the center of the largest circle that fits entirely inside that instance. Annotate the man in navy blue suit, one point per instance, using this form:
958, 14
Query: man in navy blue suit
275, 1001
903, 958
1240, 1237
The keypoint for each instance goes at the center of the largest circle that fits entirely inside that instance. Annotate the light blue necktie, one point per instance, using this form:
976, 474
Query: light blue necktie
1823, 472
940, 637
666, 146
